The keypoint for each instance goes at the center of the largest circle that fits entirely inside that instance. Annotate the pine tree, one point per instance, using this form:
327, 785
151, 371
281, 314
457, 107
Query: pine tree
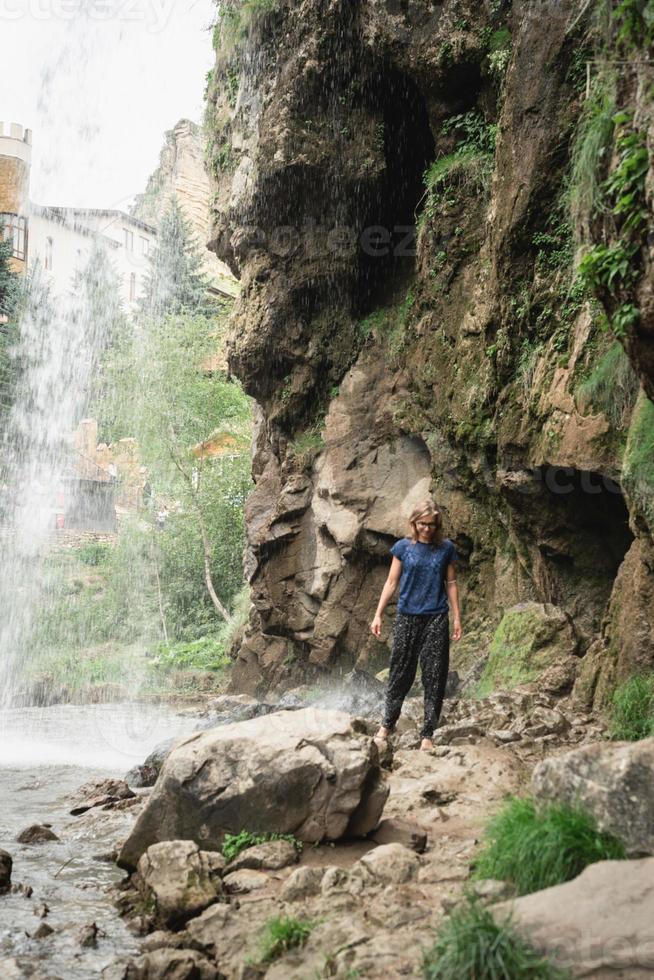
10, 291
175, 282
9, 281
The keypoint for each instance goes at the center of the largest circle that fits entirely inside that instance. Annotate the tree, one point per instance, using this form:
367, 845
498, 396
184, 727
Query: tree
9, 281
171, 403
175, 282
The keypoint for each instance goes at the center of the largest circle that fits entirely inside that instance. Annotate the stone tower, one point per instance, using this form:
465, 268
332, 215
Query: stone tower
15, 160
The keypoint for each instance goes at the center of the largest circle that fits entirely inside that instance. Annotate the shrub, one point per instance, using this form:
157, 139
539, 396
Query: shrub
233, 844
471, 944
612, 386
282, 934
535, 849
632, 709
94, 553
207, 653
638, 460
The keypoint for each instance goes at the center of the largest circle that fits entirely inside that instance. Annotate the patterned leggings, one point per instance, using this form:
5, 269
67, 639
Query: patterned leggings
418, 637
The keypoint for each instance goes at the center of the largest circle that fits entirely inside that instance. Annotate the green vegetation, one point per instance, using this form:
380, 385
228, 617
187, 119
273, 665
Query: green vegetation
536, 848
468, 167
638, 462
174, 282
306, 446
612, 386
470, 944
233, 844
610, 270
282, 934
585, 191
388, 325
520, 650
235, 17
10, 289
94, 553
632, 708
170, 588
635, 23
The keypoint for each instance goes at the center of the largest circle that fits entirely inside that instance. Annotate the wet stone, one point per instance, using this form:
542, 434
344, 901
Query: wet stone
38, 833
5, 871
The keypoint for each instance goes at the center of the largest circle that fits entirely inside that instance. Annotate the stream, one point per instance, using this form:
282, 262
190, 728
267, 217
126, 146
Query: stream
46, 754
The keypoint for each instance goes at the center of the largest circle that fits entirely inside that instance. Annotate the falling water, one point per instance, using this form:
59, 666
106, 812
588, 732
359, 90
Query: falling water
56, 356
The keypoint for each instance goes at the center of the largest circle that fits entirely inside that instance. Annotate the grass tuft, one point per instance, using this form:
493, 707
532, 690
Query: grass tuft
282, 934
590, 155
632, 709
472, 945
612, 387
535, 849
233, 844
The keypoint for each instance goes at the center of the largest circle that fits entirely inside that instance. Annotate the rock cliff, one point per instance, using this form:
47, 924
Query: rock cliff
398, 186
181, 172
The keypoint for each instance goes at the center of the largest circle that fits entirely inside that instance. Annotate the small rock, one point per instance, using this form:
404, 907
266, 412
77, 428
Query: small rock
38, 833
100, 794
43, 930
302, 883
246, 880
390, 863
163, 939
41, 911
6, 864
492, 890
179, 879
169, 964
395, 830
272, 855
21, 889
88, 936
504, 735
439, 796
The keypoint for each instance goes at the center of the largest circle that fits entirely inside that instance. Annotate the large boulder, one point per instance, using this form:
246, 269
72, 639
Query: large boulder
599, 925
6, 864
532, 638
312, 773
612, 781
177, 880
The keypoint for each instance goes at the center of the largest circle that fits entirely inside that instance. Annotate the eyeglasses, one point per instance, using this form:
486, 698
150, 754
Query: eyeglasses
424, 524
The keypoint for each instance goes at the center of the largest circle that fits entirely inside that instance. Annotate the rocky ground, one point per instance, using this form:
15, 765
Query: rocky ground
375, 900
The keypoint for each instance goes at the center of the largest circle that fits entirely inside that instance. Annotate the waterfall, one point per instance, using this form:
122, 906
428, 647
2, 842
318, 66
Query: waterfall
56, 358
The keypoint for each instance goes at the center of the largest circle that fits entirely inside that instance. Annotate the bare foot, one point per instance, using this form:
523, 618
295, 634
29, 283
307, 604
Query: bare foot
381, 735
426, 745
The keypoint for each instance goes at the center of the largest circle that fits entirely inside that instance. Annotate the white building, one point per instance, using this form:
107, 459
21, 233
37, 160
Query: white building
61, 237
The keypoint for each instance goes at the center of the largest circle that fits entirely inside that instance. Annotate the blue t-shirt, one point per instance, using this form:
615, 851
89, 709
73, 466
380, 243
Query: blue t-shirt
424, 568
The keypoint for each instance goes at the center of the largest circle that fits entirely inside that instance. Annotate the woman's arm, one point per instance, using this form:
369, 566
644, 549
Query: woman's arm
453, 597
387, 594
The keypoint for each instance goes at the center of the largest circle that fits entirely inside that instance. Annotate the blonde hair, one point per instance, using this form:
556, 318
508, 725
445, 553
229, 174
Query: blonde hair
426, 508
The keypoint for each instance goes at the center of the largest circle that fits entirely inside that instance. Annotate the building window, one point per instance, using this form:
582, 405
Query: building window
145, 246
49, 245
129, 239
132, 287
14, 230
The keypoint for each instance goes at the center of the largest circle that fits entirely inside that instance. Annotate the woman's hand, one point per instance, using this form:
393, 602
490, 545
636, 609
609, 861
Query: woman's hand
375, 626
457, 631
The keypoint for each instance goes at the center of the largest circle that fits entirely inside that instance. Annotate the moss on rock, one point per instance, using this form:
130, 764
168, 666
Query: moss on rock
531, 637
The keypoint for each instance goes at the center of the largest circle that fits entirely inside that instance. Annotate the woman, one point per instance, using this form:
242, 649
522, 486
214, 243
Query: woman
423, 565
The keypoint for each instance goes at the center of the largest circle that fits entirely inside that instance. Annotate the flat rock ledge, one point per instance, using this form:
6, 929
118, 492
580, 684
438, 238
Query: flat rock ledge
312, 773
